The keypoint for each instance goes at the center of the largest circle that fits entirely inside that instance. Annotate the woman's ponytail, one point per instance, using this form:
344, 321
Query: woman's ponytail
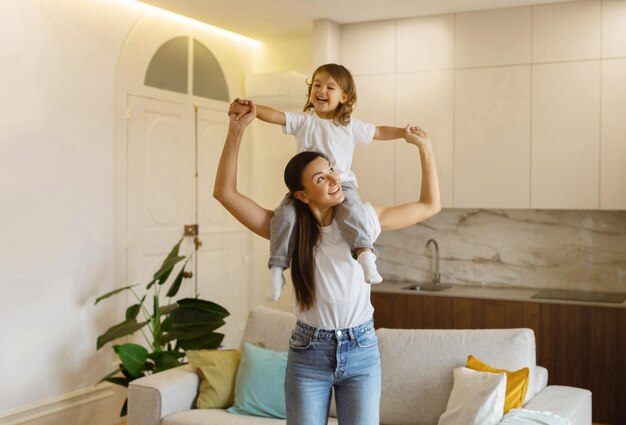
306, 236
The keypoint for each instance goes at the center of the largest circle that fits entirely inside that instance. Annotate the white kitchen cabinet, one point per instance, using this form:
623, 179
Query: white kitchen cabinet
425, 99
565, 136
613, 140
567, 31
369, 48
497, 37
374, 164
613, 29
492, 138
425, 43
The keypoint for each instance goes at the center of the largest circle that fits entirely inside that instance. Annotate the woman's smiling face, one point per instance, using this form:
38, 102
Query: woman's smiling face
322, 187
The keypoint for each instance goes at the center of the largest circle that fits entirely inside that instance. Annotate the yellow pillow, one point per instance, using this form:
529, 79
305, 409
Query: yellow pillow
516, 382
218, 370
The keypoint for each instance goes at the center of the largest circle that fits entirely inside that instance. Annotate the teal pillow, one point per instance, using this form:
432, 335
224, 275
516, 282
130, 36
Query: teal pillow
260, 383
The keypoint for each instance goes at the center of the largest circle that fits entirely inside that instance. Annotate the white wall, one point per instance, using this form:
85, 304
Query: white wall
57, 76
58, 64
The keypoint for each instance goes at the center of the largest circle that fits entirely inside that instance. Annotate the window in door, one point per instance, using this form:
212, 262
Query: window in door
168, 70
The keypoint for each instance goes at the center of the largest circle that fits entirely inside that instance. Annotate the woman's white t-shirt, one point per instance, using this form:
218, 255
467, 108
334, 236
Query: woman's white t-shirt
337, 142
342, 295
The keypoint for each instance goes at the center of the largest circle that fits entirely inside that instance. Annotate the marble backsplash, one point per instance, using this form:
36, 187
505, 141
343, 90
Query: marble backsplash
562, 249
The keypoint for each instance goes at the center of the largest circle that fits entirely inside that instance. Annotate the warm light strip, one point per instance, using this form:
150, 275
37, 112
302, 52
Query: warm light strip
203, 25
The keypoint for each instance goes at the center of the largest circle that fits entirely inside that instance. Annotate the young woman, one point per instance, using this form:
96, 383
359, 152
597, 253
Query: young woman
333, 345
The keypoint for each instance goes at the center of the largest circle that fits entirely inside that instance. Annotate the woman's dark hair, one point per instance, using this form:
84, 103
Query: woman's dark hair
306, 235
345, 81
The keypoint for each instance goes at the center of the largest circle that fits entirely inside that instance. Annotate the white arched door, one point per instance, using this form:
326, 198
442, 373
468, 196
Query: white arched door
174, 129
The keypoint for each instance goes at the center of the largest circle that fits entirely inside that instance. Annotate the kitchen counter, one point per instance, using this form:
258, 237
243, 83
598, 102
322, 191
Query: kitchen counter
485, 293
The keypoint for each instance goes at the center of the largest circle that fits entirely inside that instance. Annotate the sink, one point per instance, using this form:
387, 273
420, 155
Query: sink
427, 287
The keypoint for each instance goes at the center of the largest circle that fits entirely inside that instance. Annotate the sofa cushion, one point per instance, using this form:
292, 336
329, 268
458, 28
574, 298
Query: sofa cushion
260, 385
477, 398
560, 399
516, 382
217, 369
417, 366
269, 328
525, 416
221, 417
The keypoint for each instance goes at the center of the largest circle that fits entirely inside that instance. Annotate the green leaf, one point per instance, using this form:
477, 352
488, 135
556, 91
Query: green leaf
110, 375
185, 318
207, 342
204, 305
166, 325
127, 374
165, 360
155, 355
178, 281
124, 410
127, 327
118, 380
133, 311
168, 264
110, 294
168, 309
193, 331
157, 333
133, 357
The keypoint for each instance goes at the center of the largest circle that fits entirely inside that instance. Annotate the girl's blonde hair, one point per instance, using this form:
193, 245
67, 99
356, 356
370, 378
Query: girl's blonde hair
345, 81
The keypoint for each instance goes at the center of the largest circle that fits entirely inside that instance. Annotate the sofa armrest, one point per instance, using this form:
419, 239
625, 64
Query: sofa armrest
541, 379
573, 404
154, 397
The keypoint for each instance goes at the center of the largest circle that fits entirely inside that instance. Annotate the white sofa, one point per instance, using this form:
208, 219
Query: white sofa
416, 376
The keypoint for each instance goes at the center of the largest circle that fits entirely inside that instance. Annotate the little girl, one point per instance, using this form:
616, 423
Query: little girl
325, 126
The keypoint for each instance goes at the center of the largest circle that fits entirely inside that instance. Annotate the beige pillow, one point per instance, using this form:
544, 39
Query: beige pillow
218, 370
516, 382
477, 398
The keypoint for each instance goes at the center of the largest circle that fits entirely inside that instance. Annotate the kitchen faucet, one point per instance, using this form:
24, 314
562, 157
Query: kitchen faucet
436, 276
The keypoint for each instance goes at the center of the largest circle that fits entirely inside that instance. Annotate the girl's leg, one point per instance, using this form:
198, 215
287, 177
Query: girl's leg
350, 216
281, 246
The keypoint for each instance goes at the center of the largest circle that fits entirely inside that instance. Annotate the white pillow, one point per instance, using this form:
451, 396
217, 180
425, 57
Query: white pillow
477, 398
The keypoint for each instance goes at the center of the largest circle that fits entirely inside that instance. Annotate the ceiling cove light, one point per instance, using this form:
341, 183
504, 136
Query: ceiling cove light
201, 25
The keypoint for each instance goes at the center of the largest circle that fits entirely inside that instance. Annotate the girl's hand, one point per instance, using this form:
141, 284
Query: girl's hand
239, 108
416, 136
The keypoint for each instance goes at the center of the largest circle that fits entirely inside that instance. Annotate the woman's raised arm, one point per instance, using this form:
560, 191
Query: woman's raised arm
429, 204
244, 209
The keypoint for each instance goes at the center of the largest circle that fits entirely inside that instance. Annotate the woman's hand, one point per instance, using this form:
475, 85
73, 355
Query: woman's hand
239, 107
416, 136
241, 119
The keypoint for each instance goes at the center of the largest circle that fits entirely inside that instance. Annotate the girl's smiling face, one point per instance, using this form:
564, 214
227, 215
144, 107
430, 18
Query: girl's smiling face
326, 95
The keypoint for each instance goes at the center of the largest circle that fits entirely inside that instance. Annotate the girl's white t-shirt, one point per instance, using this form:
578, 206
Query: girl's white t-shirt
337, 142
342, 295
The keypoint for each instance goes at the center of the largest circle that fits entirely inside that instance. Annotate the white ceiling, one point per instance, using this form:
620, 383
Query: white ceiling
273, 19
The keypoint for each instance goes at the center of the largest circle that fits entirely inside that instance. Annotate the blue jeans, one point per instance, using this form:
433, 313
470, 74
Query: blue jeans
346, 360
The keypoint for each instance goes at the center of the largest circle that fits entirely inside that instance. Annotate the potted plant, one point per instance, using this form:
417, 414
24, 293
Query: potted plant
168, 330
